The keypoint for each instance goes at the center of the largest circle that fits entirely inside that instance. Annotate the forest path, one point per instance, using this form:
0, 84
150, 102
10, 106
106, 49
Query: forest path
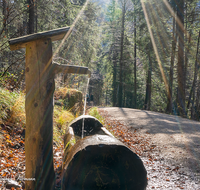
177, 139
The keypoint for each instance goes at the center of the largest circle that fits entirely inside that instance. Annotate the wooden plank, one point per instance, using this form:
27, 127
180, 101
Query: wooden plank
21, 42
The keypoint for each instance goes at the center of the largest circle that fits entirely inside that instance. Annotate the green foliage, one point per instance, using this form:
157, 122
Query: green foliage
94, 112
96, 42
62, 118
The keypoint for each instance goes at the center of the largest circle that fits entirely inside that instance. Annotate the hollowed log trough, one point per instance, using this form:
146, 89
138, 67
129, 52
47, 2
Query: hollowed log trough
99, 161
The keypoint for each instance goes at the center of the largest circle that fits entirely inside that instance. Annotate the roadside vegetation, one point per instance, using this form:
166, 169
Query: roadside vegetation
12, 110
95, 113
12, 132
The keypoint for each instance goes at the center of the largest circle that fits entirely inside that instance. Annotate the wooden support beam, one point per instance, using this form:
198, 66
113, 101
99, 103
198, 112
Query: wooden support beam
21, 42
40, 86
70, 69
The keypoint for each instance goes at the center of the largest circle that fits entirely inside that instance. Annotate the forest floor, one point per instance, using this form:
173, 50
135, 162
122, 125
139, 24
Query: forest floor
169, 146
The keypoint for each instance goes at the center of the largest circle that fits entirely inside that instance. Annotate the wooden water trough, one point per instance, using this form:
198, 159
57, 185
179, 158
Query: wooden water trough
99, 161
39, 76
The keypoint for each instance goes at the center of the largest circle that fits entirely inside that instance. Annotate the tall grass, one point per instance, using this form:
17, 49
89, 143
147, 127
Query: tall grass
94, 112
12, 111
62, 118
9, 102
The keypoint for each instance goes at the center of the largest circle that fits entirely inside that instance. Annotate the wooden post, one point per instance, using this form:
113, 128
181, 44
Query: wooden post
40, 86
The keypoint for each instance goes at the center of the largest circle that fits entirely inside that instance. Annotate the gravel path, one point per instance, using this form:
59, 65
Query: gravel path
177, 163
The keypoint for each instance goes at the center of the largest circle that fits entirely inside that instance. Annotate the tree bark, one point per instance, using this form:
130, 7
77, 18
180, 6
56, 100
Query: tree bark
135, 69
147, 103
121, 57
31, 17
198, 103
114, 83
114, 59
36, 16
171, 72
5, 15
180, 65
195, 80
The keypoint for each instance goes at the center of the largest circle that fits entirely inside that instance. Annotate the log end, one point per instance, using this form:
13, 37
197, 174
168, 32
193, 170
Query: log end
105, 166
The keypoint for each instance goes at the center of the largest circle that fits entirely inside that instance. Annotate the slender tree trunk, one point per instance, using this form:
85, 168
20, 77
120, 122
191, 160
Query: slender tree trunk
198, 103
180, 65
135, 73
171, 72
121, 58
147, 103
31, 17
5, 15
124, 91
114, 85
36, 16
114, 75
195, 79
187, 49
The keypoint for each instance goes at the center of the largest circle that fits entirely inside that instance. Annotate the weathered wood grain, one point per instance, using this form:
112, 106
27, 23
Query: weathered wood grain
99, 161
58, 68
39, 115
21, 42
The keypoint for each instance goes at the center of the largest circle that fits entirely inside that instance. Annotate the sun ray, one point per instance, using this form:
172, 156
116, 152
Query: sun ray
155, 47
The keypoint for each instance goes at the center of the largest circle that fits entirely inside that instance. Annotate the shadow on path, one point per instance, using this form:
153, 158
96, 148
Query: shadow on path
176, 136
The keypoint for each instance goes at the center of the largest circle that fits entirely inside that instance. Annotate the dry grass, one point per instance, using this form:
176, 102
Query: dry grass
12, 111
61, 93
71, 99
18, 115
61, 120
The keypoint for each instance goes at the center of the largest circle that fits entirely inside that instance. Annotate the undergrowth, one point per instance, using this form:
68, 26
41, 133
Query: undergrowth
12, 107
12, 112
62, 118
94, 112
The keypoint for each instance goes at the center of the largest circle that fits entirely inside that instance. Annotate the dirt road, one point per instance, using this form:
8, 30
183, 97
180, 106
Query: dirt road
178, 147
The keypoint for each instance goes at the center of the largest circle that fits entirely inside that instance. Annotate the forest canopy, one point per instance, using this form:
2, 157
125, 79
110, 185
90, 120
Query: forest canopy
142, 54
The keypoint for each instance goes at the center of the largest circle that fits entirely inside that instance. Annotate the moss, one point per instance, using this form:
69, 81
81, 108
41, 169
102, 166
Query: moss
71, 99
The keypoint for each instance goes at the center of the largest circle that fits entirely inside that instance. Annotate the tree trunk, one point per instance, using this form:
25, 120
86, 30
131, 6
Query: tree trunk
198, 103
114, 79
171, 72
195, 79
31, 17
36, 16
180, 65
135, 73
5, 15
147, 103
121, 58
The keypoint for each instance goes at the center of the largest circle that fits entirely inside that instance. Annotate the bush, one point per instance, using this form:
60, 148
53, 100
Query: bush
94, 112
